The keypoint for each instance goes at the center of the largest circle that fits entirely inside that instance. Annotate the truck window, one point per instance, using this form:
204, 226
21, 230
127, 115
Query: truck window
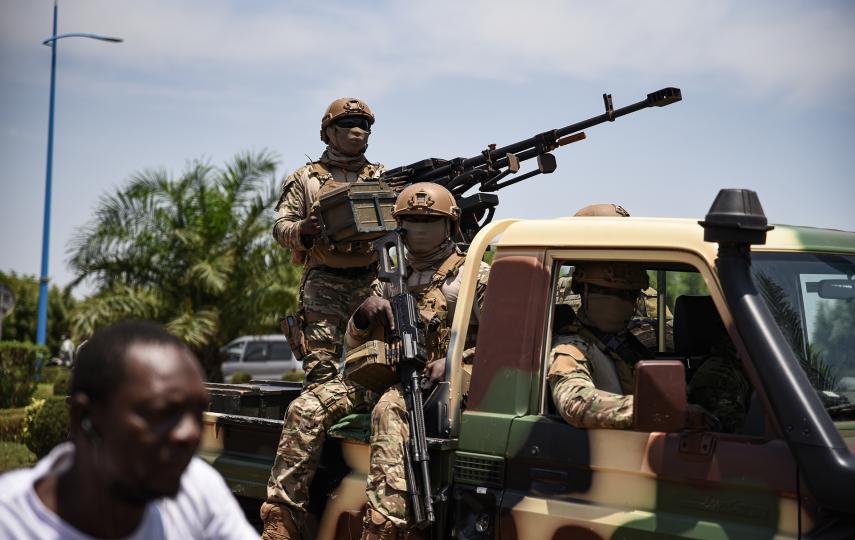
812, 297
693, 333
256, 351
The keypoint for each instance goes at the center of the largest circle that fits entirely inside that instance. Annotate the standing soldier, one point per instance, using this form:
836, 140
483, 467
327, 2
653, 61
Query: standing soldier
426, 213
336, 278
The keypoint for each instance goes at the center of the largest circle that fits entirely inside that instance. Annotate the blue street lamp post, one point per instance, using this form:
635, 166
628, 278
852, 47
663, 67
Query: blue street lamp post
41, 332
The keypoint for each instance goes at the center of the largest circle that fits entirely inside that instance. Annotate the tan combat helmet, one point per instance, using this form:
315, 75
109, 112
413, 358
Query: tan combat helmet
602, 210
426, 199
615, 275
344, 107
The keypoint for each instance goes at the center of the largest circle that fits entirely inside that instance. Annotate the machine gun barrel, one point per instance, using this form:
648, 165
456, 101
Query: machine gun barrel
545, 141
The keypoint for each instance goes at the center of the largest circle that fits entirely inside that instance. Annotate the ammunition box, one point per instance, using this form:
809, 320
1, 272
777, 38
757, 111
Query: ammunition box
369, 366
357, 212
258, 399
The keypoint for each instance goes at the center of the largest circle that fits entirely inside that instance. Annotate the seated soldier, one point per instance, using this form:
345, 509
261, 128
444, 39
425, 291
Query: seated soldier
592, 366
719, 385
643, 324
426, 213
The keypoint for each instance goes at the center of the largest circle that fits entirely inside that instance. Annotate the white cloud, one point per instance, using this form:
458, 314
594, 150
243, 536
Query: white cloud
794, 51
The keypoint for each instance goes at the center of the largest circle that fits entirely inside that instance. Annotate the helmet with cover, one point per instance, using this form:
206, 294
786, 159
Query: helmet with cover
426, 199
602, 210
342, 108
613, 275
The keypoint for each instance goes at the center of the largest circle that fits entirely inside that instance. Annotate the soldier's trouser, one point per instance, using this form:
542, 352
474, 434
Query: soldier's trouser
390, 432
303, 435
328, 297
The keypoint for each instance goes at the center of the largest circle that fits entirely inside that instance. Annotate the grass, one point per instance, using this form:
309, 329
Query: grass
15, 456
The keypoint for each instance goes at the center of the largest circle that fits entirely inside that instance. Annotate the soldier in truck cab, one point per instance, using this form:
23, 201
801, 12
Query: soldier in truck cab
592, 365
593, 357
643, 324
427, 214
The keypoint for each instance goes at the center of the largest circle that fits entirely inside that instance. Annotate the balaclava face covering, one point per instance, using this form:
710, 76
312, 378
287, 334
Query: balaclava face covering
607, 312
346, 148
427, 242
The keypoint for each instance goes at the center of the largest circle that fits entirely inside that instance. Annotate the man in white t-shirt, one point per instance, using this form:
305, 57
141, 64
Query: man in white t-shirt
128, 470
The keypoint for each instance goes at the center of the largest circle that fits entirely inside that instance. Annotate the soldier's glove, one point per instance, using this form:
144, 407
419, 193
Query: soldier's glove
374, 310
310, 227
700, 419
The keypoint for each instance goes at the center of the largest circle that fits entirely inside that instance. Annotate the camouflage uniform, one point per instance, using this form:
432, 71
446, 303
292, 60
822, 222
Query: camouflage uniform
592, 381
721, 387
337, 278
436, 289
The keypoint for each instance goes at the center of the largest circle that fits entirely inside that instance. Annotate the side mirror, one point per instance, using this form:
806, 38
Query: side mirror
660, 402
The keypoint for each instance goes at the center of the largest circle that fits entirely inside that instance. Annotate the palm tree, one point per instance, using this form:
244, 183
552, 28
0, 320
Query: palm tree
194, 253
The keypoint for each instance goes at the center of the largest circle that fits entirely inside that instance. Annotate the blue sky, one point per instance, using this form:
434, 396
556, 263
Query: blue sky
768, 86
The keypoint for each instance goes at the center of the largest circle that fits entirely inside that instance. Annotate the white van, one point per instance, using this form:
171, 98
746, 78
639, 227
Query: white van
263, 357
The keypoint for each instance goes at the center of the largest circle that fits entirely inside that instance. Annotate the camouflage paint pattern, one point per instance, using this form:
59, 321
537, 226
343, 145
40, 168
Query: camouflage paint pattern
559, 481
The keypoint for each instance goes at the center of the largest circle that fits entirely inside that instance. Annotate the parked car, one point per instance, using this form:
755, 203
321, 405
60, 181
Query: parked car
263, 357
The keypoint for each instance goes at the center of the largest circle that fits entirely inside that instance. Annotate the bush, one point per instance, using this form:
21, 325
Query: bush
295, 376
46, 425
14, 456
60, 384
241, 377
59, 377
12, 424
18, 372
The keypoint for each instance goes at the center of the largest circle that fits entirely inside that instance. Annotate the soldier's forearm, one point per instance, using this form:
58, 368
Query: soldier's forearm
583, 405
287, 234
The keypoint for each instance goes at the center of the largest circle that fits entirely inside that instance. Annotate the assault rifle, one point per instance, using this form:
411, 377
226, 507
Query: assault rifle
407, 344
489, 169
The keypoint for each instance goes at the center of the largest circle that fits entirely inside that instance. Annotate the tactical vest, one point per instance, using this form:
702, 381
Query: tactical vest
334, 253
624, 353
433, 307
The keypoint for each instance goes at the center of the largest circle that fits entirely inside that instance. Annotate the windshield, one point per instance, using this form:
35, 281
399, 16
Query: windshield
812, 297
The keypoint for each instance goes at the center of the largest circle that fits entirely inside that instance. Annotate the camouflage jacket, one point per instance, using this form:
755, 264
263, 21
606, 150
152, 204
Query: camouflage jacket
418, 282
721, 387
592, 383
299, 194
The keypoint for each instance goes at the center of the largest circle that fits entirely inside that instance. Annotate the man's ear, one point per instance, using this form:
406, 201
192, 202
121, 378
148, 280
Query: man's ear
79, 408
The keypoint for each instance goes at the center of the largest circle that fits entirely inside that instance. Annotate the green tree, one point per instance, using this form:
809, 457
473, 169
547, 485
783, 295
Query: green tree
832, 333
21, 324
194, 253
812, 359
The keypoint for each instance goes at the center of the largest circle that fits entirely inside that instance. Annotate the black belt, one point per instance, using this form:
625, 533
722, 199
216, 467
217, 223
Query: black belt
357, 271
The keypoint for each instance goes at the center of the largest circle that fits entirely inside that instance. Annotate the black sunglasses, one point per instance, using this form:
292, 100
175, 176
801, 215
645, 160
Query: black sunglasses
354, 121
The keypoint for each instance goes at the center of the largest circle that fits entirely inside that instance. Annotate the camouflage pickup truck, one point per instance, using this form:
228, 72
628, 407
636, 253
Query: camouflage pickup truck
505, 465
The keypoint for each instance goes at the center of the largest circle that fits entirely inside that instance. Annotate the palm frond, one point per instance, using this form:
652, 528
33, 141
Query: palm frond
197, 328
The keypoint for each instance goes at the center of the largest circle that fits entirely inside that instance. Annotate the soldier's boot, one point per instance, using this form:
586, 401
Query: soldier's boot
278, 523
375, 526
